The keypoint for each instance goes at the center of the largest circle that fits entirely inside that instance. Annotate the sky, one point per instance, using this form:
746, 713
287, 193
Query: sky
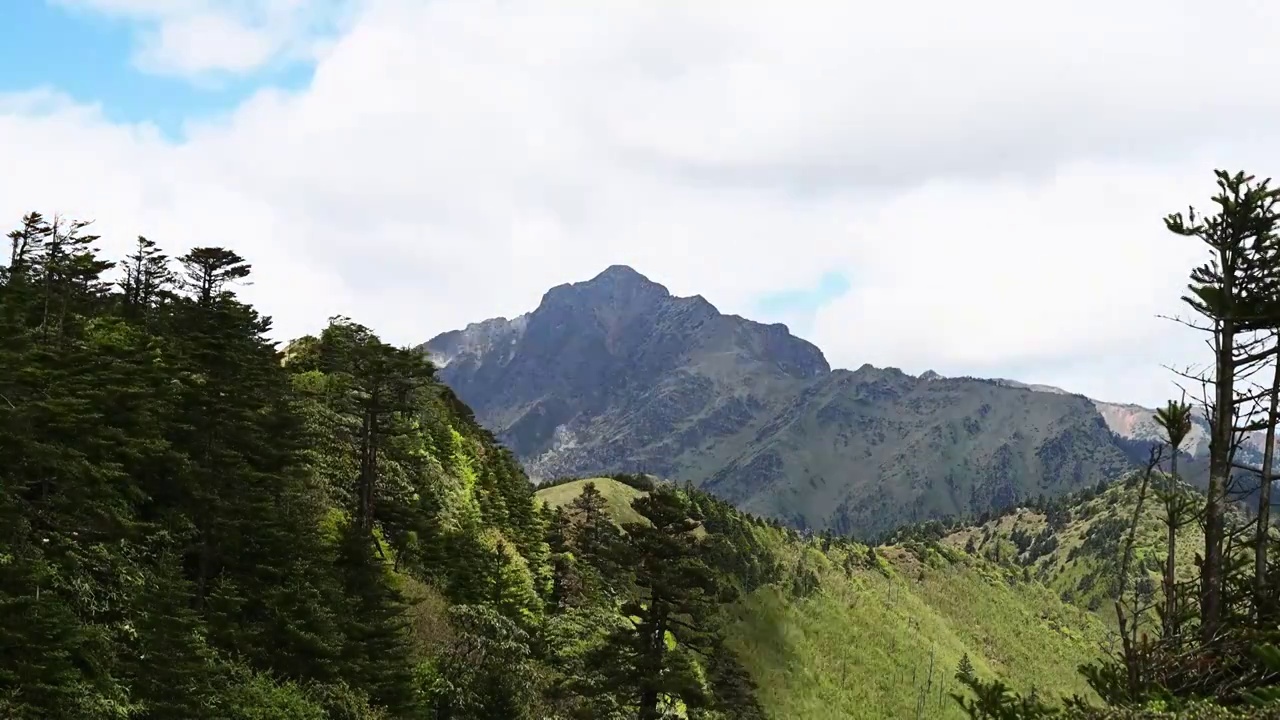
974, 188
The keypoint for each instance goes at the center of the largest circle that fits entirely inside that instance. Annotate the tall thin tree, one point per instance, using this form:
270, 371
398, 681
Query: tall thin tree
1218, 293
1175, 419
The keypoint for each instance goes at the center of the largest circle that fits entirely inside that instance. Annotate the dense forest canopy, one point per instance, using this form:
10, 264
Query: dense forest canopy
196, 525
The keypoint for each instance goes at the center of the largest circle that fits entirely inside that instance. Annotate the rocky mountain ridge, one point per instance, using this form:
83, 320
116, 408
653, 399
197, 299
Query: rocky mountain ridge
1136, 423
616, 374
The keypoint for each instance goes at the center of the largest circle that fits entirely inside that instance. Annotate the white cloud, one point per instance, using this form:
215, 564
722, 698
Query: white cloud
991, 176
194, 38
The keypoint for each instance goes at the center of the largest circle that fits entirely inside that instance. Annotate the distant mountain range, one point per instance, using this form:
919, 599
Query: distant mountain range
616, 374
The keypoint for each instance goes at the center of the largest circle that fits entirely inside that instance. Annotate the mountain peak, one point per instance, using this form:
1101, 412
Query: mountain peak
616, 286
620, 273
623, 278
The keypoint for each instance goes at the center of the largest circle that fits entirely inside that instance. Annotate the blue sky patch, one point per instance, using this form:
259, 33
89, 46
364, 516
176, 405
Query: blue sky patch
88, 56
803, 301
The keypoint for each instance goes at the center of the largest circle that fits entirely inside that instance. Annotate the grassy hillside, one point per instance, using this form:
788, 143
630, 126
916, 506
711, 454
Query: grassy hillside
616, 494
863, 644
1073, 546
850, 634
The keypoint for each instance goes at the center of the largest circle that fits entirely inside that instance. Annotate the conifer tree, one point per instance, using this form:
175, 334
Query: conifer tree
171, 670
148, 279
375, 652
67, 499
650, 661
1175, 420
1223, 292
567, 587
734, 692
512, 589
254, 550
486, 673
596, 543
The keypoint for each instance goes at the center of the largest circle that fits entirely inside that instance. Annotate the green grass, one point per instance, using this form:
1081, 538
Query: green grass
1083, 568
861, 644
618, 496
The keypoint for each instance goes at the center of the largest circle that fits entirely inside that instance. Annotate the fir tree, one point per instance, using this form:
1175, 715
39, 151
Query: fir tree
486, 672
964, 671
651, 660
597, 543
375, 653
148, 280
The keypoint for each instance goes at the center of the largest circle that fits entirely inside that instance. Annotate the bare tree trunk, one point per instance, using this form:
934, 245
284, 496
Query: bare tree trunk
1129, 635
53, 261
363, 490
1219, 468
655, 649
1264, 495
1171, 526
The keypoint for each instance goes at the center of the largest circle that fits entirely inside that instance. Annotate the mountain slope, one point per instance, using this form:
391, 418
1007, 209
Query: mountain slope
1137, 426
617, 375
847, 634
560, 383
860, 450
1071, 544
605, 373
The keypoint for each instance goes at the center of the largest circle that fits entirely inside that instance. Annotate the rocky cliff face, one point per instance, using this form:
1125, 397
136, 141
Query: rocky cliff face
604, 371
616, 374
1136, 424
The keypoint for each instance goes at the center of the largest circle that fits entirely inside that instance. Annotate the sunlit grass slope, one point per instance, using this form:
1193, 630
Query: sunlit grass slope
847, 634
616, 494
1076, 549
862, 645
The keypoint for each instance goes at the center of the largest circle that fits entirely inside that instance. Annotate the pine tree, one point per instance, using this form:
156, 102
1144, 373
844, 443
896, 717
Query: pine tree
375, 655
195, 525
596, 541
486, 673
148, 280
67, 507
1223, 293
733, 689
1175, 420
255, 549
672, 611
567, 586
170, 669
513, 593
